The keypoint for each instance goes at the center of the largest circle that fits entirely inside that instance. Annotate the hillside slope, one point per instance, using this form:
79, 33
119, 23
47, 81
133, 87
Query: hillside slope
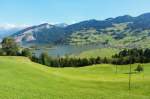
102, 52
22, 79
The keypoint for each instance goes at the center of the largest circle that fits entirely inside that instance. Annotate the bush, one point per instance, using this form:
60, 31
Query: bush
26, 52
139, 68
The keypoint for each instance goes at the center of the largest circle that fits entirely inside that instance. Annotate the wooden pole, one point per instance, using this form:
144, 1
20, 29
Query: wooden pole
130, 73
116, 69
130, 77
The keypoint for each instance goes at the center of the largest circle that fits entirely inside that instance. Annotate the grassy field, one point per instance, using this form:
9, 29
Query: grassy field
103, 52
22, 79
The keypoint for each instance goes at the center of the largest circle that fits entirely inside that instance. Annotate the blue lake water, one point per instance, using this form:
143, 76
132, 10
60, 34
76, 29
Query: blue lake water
62, 50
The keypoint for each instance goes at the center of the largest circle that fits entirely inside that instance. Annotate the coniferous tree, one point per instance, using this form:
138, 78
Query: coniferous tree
44, 59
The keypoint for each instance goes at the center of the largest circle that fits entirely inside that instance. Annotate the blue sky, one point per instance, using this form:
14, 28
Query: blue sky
68, 11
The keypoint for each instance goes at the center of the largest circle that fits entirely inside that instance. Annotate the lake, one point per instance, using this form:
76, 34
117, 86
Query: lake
62, 50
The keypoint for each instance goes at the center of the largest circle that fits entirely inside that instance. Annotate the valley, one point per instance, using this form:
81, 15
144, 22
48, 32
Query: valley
92, 49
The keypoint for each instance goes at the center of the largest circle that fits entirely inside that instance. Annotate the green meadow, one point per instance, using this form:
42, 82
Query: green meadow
22, 79
102, 52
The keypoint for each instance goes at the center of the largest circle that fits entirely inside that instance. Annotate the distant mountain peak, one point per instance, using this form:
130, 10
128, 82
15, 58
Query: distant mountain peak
61, 25
45, 25
121, 19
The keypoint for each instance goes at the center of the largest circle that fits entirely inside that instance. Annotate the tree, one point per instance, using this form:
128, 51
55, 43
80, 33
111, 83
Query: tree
35, 59
26, 52
105, 60
44, 59
2, 53
139, 68
10, 47
98, 60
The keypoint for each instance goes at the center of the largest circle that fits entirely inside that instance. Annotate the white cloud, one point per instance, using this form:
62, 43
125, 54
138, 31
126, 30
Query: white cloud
8, 26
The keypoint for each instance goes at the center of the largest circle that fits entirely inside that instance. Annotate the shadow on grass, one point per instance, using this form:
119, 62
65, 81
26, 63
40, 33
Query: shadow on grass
131, 73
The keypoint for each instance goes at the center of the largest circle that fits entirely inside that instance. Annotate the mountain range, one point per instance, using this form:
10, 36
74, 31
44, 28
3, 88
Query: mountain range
122, 31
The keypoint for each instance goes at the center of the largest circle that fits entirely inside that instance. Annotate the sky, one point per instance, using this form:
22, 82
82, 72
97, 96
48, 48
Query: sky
31, 12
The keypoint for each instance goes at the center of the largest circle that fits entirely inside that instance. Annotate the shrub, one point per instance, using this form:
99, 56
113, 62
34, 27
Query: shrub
139, 68
26, 52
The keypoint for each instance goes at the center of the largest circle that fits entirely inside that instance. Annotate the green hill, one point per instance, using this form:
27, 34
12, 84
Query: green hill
22, 79
101, 52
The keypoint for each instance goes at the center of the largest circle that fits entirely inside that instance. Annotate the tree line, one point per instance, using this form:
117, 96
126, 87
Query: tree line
124, 57
130, 56
45, 59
